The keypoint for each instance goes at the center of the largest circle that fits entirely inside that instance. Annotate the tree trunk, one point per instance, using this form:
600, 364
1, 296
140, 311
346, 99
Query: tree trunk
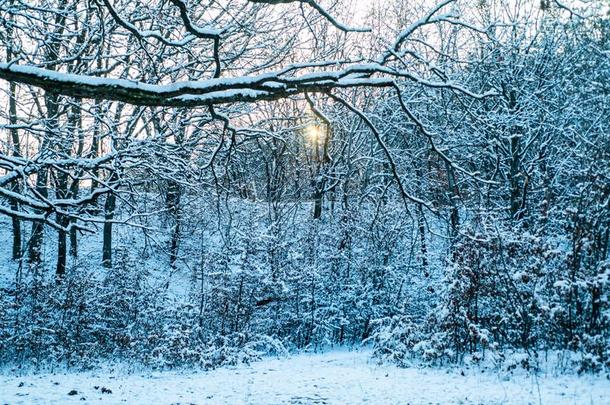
515, 189
109, 207
16, 223
60, 270
173, 205
75, 186
421, 225
454, 195
62, 193
317, 207
73, 243
16, 149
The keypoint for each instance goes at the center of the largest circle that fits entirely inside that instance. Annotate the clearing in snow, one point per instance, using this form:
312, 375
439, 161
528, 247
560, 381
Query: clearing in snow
338, 377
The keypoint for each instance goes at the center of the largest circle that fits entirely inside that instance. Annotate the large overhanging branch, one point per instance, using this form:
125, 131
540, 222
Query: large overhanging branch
269, 86
188, 93
276, 85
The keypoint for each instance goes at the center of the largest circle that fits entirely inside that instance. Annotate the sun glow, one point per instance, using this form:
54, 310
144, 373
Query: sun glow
314, 134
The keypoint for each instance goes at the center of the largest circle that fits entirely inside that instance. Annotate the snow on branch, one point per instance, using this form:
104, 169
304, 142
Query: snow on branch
269, 86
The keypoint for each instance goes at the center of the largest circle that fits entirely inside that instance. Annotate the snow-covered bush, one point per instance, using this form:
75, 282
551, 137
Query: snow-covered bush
395, 339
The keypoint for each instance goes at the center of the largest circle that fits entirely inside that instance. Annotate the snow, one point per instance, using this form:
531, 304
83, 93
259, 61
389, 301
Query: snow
349, 76
336, 377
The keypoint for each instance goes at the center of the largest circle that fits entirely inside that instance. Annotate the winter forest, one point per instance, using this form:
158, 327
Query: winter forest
209, 185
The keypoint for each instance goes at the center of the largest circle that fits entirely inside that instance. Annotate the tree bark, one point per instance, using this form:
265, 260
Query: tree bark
62, 192
16, 149
173, 205
109, 208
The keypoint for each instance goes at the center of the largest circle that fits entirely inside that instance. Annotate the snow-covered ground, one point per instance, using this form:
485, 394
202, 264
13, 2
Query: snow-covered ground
338, 377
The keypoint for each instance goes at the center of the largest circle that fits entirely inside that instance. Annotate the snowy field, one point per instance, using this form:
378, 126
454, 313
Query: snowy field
330, 378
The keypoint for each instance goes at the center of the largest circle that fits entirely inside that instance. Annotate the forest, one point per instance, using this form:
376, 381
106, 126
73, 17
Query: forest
198, 184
